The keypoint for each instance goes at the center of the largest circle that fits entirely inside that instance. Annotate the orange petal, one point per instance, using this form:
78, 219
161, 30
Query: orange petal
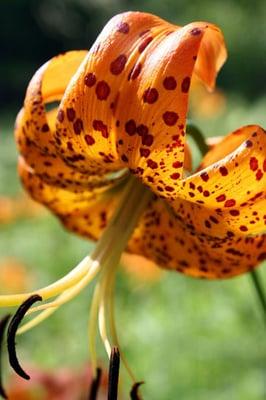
175, 242
229, 194
35, 126
127, 104
86, 213
212, 55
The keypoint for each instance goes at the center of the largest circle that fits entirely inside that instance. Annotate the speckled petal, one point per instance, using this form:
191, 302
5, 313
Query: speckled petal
127, 104
228, 195
174, 242
85, 214
35, 126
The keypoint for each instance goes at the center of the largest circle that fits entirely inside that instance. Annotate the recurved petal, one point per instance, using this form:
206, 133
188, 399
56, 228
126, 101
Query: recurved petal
94, 97
50, 168
212, 54
35, 126
127, 104
172, 241
47, 86
228, 196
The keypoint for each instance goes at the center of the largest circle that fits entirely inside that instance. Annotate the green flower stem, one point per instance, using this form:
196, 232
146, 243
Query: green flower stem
259, 290
199, 139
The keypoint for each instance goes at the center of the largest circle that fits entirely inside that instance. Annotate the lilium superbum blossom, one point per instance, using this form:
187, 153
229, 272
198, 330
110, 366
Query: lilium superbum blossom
101, 138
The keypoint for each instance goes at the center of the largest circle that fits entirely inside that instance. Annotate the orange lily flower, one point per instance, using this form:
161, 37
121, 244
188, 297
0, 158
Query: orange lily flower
119, 121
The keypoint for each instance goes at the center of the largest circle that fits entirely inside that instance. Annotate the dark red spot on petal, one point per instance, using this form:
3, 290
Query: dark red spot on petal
145, 43
195, 31
264, 165
60, 115
147, 140
230, 203
170, 118
124, 158
234, 213
206, 193
249, 143
142, 130
150, 95
89, 140
152, 164
117, 66
175, 175
78, 126
214, 220
199, 188
123, 27
101, 127
204, 176
207, 224
253, 163
130, 127
243, 228
45, 128
169, 188
169, 83
134, 73
90, 79
102, 90
220, 198
223, 171
185, 84
70, 146
259, 175
144, 152
177, 164
71, 114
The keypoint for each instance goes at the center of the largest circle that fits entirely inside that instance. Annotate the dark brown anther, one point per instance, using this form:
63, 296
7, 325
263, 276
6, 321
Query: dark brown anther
134, 392
11, 334
3, 324
113, 374
95, 385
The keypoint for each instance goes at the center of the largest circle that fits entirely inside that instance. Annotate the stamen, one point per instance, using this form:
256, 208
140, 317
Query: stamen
113, 374
113, 330
106, 281
11, 334
66, 296
3, 324
95, 385
134, 395
69, 280
102, 327
92, 328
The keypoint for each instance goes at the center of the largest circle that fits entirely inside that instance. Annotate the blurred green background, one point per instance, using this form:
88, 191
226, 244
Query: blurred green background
188, 339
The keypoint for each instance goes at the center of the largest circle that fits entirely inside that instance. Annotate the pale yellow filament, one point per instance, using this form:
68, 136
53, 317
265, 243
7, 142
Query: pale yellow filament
69, 280
66, 296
